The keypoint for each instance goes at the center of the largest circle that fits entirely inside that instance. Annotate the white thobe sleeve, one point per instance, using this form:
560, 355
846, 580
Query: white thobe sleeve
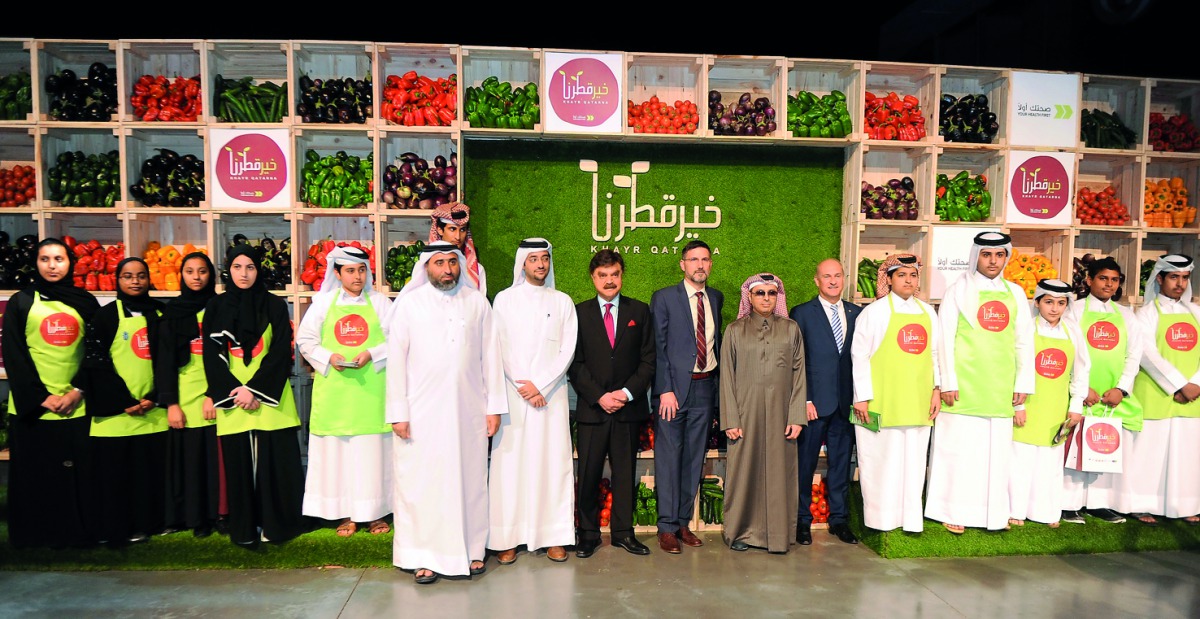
864, 344
1195, 379
551, 373
493, 364
308, 334
500, 315
1081, 371
1133, 349
382, 306
935, 338
948, 314
1159, 369
397, 409
1025, 344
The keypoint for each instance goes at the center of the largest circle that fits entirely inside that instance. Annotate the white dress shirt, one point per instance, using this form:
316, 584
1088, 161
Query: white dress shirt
616, 302
308, 333
870, 329
710, 331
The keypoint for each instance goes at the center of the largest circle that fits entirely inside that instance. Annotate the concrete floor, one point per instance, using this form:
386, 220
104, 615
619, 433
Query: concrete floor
827, 579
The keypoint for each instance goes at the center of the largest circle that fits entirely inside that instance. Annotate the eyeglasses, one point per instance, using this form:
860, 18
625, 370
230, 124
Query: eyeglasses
696, 260
765, 293
132, 276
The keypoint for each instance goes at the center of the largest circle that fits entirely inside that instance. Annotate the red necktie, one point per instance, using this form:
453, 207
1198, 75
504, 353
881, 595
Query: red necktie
701, 340
609, 326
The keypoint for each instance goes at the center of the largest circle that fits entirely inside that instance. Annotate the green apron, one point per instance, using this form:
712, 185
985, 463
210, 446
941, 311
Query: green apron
54, 335
193, 384
1107, 340
1176, 339
985, 358
902, 371
350, 402
1046, 407
130, 351
236, 420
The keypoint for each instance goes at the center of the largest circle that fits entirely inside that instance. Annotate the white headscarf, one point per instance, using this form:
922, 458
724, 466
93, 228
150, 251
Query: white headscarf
1170, 263
1053, 288
420, 278
343, 256
529, 246
990, 240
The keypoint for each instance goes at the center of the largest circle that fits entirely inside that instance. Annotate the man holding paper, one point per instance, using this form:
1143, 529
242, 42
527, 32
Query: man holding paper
896, 396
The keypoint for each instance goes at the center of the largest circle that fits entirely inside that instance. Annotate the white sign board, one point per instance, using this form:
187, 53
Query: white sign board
1040, 188
1043, 109
950, 256
250, 168
584, 93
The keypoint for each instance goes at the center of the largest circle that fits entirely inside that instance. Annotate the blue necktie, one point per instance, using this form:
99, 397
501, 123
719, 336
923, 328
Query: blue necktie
837, 327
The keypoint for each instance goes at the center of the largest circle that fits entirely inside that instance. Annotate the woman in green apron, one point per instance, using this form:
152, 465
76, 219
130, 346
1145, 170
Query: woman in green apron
349, 447
1035, 484
247, 362
129, 441
896, 396
193, 452
48, 501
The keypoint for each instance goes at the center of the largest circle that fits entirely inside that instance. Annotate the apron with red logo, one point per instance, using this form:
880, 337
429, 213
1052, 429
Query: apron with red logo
265, 417
1107, 340
1176, 340
1046, 407
902, 372
130, 351
986, 359
350, 402
54, 335
192, 383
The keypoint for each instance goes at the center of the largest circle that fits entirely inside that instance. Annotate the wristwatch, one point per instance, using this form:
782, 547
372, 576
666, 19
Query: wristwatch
1124, 394
81, 393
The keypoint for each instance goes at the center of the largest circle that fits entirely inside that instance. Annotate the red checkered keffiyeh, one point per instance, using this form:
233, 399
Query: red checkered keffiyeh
446, 211
882, 284
770, 279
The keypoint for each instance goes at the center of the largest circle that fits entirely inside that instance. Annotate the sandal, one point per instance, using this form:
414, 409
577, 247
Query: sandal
1146, 519
1192, 520
428, 579
954, 528
379, 527
1053, 525
347, 528
1016, 522
478, 567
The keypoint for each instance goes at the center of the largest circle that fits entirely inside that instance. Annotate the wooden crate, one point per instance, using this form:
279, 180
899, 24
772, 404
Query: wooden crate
54, 55
878, 241
960, 81
1053, 243
392, 144
671, 78
1167, 165
174, 230
171, 59
883, 161
399, 228
1155, 244
106, 227
16, 225
432, 61
264, 61
516, 65
1171, 97
327, 60
18, 146
94, 138
1120, 245
16, 56
328, 140
950, 161
821, 77
1127, 97
761, 76
918, 80
1099, 170
277, 226
330, 224
142, 144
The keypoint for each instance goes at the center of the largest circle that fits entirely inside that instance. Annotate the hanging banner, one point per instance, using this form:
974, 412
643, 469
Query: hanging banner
950, 256
250, 168
1043, 109
583, 93
1040, 186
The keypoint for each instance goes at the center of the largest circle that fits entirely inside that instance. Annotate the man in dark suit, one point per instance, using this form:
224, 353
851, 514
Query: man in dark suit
611, 374
828, 327
687, 332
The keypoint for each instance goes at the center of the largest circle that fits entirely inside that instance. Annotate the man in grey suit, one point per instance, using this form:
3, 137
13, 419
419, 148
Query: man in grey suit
687, 332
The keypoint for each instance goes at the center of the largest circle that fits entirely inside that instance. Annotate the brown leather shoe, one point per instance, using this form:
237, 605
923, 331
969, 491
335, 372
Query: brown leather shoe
669, 543
556, 553
507, 557
686, 536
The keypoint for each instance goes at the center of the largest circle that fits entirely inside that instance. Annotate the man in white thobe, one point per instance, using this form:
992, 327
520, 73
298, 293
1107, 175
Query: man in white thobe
531, 487
445, 385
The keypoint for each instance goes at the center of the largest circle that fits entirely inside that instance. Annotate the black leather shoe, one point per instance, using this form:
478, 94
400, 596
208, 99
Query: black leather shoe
804, 535
843, 533
631, 545
586, 548
739, 546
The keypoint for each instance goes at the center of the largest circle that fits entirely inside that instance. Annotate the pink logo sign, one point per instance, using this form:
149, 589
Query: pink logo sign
993, 316
140, 344
1040, 187
1103, 335
584, 92
1103, 437
61, 329
1051, 363
351, 330
912, 339
1181, 336
251, 168
237, 351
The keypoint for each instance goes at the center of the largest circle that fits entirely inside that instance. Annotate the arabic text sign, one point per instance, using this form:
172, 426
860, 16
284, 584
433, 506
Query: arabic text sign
950, 256
1043, 111
584, 93
633, 216
1040, 187
251, 168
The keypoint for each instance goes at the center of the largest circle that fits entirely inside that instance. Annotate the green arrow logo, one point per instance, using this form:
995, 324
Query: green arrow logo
591, 118
1062, 111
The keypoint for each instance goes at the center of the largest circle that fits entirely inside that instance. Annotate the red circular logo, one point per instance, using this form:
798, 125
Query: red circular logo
1181, 336
1103, 437
1103, 335
912, 338
993, 316
251, 168
351, 330
258, 348
1040, 187
198, 346
140, 343
1051, 363
583, 92
61, 329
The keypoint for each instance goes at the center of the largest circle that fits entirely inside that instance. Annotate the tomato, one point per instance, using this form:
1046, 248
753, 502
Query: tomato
605, 514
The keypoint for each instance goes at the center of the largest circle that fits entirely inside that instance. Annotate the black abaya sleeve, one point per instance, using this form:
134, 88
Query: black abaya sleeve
270, 380
216, 367
166, 366
18, 363
103, 387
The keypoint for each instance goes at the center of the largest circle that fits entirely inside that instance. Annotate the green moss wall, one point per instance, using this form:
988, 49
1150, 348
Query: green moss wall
780, 210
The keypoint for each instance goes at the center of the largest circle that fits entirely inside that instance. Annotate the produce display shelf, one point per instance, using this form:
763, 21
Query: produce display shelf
965, 146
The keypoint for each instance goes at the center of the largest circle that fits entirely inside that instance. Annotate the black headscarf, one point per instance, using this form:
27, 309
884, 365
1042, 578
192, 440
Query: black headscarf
241, 313
180, 315
150, 308
64, 290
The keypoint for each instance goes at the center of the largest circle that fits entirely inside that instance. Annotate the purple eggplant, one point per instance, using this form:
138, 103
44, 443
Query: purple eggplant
439, 162
714, 97
888, 212
868, 204
895, 183
420, 165
405, 168
875, 214
866, 186
437, 174
409, 157
389, 198
453, 159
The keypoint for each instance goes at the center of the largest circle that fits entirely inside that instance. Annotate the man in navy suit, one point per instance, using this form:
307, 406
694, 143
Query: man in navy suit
828, 326
687, 332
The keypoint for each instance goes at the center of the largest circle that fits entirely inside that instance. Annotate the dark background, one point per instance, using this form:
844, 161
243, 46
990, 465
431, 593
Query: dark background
1140, 38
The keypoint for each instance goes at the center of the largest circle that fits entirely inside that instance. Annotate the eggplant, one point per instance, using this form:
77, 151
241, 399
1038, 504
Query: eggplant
714, 97
437, 174
451, 171
389, 198
895, 183
907, 183
889, 212
875, 214
439, 162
